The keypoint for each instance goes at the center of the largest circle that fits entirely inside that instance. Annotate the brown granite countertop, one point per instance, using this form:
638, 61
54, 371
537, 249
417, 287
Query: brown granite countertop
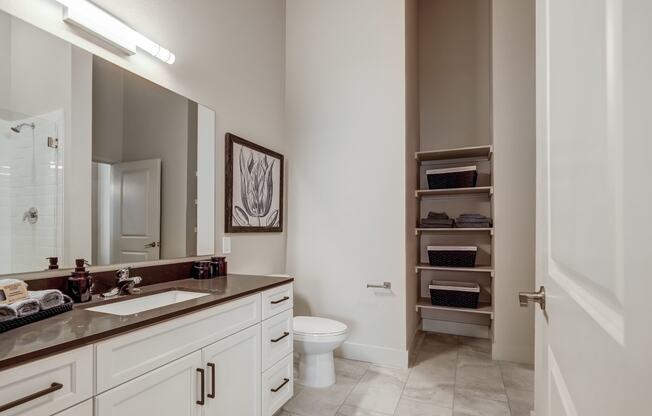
82, 327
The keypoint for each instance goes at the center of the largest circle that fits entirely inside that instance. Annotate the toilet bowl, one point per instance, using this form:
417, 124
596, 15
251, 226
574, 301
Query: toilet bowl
315, 339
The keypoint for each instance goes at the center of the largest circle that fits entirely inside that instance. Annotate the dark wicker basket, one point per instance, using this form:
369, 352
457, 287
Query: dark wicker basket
443, 179
452, 256
18, 322
454, 294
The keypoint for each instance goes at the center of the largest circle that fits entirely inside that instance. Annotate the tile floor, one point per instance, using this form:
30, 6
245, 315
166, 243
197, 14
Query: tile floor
449, 376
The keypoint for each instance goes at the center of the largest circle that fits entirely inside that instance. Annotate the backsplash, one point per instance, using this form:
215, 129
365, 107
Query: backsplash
105, 280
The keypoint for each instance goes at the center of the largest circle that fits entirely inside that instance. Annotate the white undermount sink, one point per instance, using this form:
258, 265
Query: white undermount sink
145, 303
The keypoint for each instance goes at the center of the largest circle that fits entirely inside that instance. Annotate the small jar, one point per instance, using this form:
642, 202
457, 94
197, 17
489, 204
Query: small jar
218, 266
202, 269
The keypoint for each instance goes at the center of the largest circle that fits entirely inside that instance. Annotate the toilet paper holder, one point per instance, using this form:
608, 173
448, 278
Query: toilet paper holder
385, 285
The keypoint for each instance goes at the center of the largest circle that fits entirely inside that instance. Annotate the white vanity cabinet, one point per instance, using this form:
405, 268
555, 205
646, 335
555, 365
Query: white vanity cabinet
233, 367
231, 359
47, 386
170, 390
82, 409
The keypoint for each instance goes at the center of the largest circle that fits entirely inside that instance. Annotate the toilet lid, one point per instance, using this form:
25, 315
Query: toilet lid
312, 325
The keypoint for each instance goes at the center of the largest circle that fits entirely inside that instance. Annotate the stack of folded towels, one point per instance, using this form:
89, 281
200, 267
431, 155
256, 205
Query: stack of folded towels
437, 220
473, 221
38, 300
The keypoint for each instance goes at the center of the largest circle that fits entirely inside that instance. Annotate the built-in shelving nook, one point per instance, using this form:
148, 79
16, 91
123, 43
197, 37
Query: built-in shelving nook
455, 130
456, 201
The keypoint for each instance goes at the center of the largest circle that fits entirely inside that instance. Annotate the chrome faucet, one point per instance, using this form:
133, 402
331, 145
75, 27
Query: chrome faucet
125, 284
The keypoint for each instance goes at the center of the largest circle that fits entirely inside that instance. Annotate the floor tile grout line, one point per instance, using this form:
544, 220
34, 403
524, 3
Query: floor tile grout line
502, 378
457, 361
400, 396
351, 391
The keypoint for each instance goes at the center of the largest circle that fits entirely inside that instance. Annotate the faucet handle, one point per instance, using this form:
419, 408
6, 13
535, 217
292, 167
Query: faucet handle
123, 273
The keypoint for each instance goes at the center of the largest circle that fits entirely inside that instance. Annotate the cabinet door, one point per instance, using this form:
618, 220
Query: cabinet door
82, 409
233, 378
171, 390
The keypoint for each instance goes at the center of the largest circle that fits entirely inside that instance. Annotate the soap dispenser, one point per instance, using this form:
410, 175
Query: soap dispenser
80, 283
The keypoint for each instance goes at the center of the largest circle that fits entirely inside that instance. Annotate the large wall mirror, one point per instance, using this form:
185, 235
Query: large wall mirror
95, 161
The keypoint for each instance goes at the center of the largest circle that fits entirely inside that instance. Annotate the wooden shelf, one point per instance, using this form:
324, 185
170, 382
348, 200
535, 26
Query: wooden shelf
483, 308
475, 152
486, 190
476, 269
418, 230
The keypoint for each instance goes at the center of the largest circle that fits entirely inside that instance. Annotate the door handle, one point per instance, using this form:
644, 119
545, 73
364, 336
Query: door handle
283, 299
202, 401
285, 334
53, 387
211, 395
152, 244
285, 381
539, 297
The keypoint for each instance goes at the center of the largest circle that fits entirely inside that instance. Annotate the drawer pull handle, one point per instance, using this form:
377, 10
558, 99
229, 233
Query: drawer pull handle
285, 381
53, 387
212, 393
201, 401
283, 299
285, 334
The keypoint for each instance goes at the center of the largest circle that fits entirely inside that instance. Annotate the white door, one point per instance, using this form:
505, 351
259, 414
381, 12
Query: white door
171, 390
136, 211
594, 341
233, 375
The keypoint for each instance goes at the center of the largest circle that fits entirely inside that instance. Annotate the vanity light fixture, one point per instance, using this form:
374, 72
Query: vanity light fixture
91, 18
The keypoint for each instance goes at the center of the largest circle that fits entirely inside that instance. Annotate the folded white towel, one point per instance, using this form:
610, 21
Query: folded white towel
25, 307
47, 298
7, 313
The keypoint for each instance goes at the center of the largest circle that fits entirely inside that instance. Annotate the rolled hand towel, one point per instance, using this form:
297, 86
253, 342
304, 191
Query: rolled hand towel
7, 313
47, 298
25, 307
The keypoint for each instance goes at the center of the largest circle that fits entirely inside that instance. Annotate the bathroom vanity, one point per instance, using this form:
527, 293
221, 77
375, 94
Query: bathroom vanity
228, 352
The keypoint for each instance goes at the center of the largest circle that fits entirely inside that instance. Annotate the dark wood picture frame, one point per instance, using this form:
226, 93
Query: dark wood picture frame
230, 225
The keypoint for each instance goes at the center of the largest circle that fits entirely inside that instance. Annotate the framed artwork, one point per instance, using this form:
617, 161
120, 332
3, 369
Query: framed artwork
254, 187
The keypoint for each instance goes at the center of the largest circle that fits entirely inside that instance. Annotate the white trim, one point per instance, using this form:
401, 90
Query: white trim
451, 170
452, 248
388, 357
455, 328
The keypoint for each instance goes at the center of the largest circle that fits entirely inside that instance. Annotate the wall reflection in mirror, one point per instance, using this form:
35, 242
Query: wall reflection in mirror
95, 161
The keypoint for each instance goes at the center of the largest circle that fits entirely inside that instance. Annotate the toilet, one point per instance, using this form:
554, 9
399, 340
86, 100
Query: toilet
315, 339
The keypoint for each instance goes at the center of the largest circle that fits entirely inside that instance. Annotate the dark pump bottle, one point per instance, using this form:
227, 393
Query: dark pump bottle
80, 283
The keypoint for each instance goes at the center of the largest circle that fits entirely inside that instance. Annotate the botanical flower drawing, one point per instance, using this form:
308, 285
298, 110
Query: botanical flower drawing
256, 191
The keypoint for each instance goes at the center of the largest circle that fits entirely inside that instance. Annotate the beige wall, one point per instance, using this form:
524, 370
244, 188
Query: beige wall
514, 175
411, 146
454, 73
230, 59
345, 107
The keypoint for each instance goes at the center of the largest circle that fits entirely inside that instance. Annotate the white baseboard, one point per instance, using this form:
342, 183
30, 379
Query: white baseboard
388, 357
455, 328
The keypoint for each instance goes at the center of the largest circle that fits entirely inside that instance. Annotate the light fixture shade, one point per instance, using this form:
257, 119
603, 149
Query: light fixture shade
91, 18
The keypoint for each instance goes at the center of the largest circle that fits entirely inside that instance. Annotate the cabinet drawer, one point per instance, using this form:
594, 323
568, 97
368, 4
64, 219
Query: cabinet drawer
127, 356
82, 409
54, 383
277, 338
278, 385
277, 300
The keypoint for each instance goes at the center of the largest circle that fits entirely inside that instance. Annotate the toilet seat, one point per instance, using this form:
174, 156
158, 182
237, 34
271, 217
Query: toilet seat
315, 327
